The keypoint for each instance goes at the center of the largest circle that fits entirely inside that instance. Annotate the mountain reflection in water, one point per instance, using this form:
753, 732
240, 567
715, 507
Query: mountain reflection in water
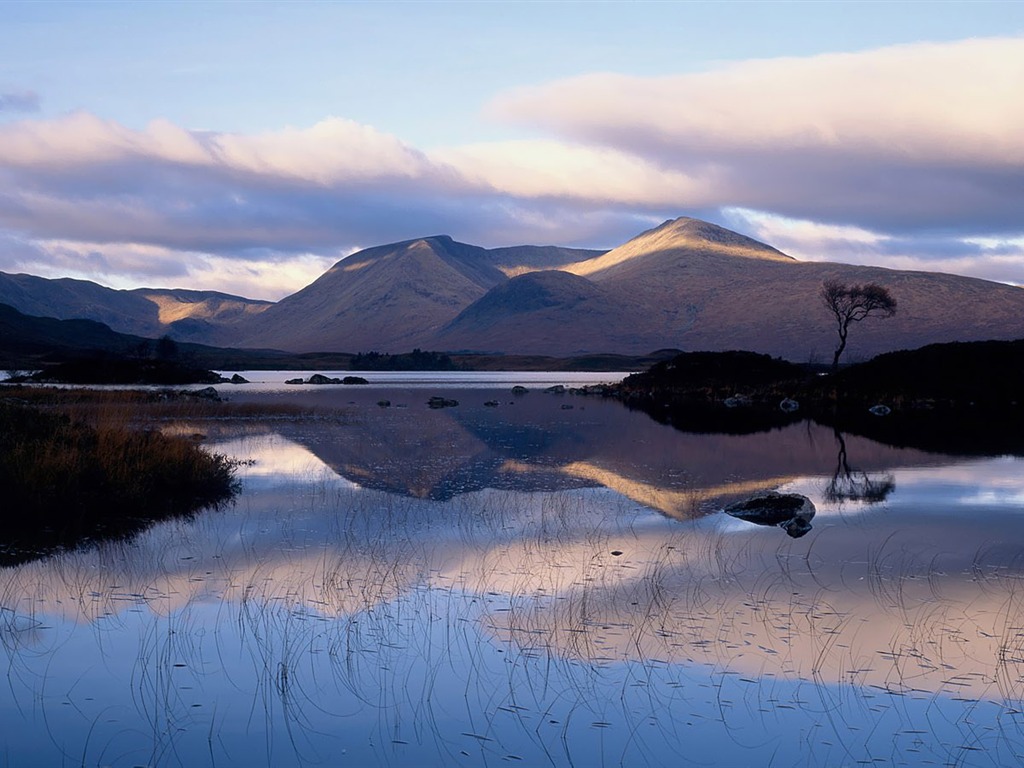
409, 586
531, 443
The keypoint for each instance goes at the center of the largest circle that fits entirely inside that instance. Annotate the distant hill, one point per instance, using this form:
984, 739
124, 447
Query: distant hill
685, 284
24, 339
28, 342
151, 312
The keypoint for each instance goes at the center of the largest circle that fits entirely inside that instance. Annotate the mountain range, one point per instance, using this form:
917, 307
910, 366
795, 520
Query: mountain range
685, 284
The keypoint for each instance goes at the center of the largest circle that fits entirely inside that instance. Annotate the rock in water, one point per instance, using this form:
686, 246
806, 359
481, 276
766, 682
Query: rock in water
206, 393
319, 378
441, 402
790, 511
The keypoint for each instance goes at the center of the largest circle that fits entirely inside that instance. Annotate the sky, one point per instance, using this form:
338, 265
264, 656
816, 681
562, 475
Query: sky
246, 147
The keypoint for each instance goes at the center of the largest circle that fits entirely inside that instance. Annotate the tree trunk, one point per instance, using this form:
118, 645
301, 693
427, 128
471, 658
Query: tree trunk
839, 349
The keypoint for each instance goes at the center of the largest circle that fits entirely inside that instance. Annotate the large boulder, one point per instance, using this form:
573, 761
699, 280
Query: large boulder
790, 511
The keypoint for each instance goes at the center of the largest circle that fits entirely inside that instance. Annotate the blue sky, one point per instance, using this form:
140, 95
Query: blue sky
247, 146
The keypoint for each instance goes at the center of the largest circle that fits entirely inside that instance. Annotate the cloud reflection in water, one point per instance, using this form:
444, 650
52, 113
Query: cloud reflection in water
410, 628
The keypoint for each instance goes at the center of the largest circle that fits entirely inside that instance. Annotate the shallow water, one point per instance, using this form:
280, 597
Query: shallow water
532, 583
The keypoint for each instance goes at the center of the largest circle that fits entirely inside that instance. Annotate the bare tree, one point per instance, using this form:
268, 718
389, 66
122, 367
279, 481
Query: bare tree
851, 304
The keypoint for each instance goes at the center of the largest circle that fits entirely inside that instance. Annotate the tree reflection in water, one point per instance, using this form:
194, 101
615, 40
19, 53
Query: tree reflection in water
848, 484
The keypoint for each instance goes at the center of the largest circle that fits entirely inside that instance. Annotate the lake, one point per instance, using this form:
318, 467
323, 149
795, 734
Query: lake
542, 579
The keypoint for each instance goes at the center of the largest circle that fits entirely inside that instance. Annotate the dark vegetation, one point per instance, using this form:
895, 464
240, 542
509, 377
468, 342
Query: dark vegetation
67, 481
35, 343
417, 360
595, 362
962, 397
716, 375
728, 392
123, 371
959, 397
983, 374
82, 465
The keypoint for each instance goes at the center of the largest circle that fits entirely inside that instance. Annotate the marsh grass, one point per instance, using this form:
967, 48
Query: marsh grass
106, 407
66, 480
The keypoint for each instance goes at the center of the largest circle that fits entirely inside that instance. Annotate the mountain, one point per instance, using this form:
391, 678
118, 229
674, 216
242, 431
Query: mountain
393, 298
540, 311
152, 312
678, 243
521, 259
696, 286
686, 284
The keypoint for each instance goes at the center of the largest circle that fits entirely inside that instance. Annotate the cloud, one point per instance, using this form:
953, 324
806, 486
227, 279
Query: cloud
323, 190
81, 177
264, 275
900, 138
1000, 260
541, 169
906, 156
915, 102
19, 101
334, 150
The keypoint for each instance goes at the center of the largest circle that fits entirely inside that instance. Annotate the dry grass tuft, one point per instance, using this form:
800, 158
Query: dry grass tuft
65, 479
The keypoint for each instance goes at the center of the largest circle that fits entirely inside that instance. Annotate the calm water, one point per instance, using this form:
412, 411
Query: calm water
535, 584
269, 381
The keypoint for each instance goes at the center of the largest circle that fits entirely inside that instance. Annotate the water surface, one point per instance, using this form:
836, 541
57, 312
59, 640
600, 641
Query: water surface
532, 583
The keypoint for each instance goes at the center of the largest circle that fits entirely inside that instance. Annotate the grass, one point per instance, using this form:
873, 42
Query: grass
141, 407
66, 479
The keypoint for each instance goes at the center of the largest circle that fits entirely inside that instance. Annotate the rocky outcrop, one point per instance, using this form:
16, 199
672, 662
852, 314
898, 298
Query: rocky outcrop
319, 379
790, 511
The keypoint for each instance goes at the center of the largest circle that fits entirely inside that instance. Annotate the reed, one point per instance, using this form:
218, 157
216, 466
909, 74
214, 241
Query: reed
65, 480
